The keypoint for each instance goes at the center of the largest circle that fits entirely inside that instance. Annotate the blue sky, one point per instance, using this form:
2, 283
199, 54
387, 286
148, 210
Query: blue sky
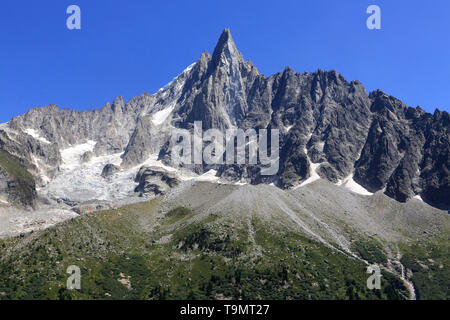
129, 47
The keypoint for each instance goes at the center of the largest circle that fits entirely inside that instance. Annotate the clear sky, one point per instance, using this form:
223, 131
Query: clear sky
128, 47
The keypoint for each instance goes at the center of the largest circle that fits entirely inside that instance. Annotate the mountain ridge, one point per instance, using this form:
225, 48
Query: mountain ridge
325, 122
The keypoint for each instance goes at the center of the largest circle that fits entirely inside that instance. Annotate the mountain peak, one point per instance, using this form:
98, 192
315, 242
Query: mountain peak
226, 48
225, 39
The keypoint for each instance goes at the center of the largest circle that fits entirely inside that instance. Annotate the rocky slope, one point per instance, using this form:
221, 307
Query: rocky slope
330, 129
204, 240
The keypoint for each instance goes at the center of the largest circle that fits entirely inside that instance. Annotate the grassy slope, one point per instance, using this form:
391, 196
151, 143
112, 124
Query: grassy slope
24, 180
429, 262
180, 255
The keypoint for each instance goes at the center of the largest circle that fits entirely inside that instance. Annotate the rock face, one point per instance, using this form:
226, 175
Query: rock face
109, 170
17, 185
328, 127
87, 156
6, 190
155, 180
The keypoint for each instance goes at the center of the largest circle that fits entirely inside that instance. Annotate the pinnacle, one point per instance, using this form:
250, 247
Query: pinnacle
226, 46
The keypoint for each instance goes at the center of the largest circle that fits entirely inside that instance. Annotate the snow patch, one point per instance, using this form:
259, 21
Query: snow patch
321, 146
418, 197
313, 176
189, 68
208, 176
159, 117
351, 185
71, 156
176, 86
36, 163
35, 134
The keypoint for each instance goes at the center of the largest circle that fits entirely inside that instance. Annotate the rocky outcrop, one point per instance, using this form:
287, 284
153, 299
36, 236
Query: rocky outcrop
87, 156
434, 178
155, 180
109, 170
5, 190
17, 185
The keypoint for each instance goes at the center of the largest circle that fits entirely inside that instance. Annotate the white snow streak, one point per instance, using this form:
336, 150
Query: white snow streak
208, 176
159, 117
313, 176
36, 135
351, 185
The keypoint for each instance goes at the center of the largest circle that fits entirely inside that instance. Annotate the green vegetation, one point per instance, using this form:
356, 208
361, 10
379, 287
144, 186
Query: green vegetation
23, 179
409, 261
370, 250
177, 214
198, 236
136, 253
428, 261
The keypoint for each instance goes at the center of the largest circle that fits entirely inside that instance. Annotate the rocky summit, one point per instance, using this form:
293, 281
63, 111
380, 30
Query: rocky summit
329, 128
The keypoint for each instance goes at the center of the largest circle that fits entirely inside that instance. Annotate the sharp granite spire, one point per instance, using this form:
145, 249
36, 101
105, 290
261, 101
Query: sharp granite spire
226, 50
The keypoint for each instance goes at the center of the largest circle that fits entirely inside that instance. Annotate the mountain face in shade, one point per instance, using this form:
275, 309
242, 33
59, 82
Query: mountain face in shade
329, 128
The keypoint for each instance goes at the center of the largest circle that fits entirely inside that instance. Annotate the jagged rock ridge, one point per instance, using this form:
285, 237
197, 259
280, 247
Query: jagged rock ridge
329, 127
